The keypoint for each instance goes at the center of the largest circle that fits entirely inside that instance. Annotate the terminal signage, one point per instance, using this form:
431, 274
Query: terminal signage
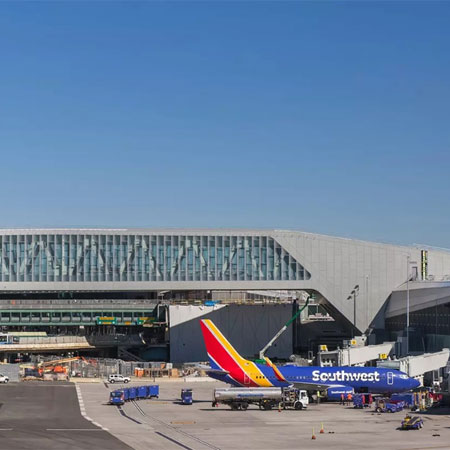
105, 320
144, 320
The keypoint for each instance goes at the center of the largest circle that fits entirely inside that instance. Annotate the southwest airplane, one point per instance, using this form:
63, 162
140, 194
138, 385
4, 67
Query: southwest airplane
228, 366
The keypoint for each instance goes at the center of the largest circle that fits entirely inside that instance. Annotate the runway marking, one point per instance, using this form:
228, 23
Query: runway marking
83, 409
173, 440
73, 429
178, 430
6, 429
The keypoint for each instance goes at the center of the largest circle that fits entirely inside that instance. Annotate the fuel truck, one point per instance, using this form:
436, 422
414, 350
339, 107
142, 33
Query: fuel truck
265, 398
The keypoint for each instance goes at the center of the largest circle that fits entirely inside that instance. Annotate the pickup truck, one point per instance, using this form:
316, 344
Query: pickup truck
117, 378
4, 378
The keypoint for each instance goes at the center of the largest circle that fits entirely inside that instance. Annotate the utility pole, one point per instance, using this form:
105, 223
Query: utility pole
408, 276
353, 295
407, 303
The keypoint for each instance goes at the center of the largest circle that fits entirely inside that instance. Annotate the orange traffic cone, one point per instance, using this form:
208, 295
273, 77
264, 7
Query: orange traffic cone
313, 435
321, 429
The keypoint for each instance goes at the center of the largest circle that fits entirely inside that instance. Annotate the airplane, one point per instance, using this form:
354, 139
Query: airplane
227, 365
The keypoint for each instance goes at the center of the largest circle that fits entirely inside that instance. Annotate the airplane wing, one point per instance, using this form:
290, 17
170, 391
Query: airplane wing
315, 386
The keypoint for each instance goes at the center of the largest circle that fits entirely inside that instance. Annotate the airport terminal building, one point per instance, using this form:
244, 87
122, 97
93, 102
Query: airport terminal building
103, 281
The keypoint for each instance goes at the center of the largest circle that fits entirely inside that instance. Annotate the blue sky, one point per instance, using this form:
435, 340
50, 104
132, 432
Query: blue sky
319, 116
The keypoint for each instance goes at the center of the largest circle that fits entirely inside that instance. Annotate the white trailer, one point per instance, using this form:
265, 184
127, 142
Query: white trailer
265, 398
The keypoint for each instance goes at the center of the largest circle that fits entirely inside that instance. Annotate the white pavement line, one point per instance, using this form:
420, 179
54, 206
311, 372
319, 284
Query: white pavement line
6, 429
83, 409
72, 429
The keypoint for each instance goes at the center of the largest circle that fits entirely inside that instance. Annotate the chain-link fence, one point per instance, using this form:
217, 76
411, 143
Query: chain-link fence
102, 367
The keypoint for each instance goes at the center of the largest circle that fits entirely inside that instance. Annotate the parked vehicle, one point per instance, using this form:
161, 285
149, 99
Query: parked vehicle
265, 398
186, 396
4, 379
117, 378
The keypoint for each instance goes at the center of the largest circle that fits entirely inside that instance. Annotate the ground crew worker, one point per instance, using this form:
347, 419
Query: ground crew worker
349, 398
342, 400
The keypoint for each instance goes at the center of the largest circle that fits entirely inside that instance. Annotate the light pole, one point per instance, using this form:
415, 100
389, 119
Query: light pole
353, 295
408, 276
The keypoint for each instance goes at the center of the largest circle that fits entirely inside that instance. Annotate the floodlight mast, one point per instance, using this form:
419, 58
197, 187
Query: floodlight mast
283, 329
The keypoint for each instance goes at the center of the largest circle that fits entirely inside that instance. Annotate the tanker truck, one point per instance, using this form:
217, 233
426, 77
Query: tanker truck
265, 398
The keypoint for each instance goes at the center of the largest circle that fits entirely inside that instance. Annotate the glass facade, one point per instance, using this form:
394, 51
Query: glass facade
146, 257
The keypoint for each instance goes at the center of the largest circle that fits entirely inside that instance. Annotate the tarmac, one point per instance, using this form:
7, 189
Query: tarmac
46, 415
166, 424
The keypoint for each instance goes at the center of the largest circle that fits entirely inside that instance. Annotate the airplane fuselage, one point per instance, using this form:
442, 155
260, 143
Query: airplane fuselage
361, 379
229, 366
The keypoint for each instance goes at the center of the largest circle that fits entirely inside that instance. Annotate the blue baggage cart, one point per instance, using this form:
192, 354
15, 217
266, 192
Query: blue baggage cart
126, 394
116, 398
142, 391
132, 393
153, 391
186, 396
406, 397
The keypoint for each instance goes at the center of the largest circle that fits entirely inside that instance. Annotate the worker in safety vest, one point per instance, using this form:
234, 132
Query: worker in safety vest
349, 399
342, 399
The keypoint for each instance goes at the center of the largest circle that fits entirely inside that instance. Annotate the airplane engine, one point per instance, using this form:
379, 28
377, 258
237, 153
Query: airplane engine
334, 393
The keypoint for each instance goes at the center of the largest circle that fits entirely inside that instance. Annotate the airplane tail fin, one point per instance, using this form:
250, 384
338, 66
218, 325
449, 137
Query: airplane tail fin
222, 355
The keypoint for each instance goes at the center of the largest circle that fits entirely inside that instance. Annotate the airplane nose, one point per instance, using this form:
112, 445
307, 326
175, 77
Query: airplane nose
414, 383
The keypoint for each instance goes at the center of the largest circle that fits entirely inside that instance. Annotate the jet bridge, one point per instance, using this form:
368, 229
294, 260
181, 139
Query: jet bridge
416, 366
352, 356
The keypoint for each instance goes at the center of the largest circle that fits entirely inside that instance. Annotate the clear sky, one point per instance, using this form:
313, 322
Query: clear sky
329, 117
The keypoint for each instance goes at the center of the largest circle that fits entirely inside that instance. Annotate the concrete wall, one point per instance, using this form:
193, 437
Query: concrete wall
337, 265
247, 327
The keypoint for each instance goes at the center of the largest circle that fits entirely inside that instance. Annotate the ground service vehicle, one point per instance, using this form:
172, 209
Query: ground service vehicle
265, 398
117, 378
4, 379
186, 396
116, 398
362, 400
120, 396
407, 397
227, 365
385, 405
411, 423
